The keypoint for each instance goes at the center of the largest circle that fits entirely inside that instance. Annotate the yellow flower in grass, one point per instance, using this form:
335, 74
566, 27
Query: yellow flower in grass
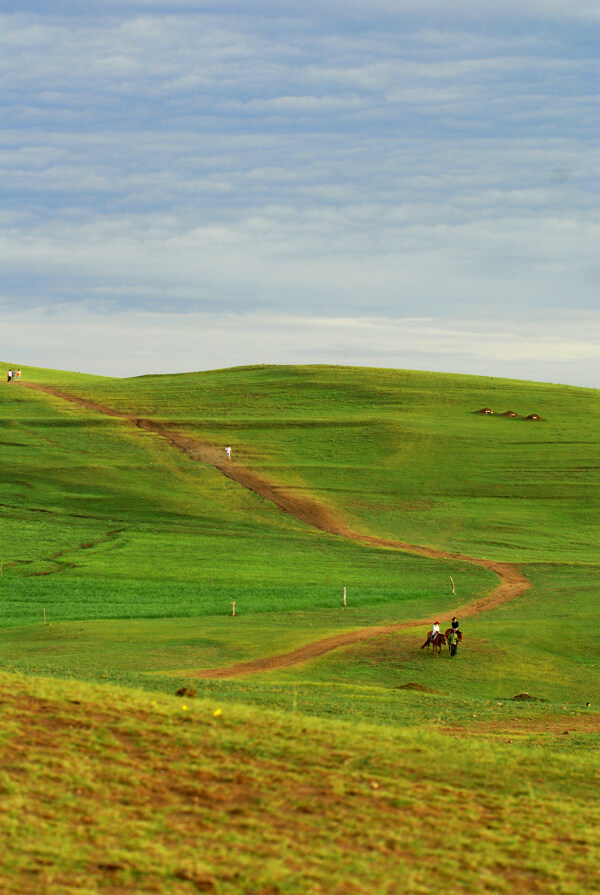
217, 713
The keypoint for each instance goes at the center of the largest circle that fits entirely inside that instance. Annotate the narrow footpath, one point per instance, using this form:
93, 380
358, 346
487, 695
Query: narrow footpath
315, 514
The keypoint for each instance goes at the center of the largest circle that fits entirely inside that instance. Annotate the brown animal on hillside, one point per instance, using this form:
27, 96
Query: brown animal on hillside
447, 631
436, 643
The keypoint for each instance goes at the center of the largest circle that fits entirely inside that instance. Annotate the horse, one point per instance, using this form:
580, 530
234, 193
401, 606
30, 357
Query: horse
436, 643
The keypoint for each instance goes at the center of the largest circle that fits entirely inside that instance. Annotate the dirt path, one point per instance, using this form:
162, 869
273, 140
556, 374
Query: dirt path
313, 513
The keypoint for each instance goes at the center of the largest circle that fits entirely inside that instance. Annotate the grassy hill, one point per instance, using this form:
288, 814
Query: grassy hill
135, 551
109, 790
401, 453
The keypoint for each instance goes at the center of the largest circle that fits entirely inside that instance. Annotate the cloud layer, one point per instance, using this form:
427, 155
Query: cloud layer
559, 350
247, 159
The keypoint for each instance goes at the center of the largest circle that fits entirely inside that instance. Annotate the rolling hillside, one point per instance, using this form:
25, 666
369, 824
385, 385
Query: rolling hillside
127, 530
401, 453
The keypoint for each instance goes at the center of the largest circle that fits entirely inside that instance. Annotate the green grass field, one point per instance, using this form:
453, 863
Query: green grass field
109, 790
401, 453
135, 552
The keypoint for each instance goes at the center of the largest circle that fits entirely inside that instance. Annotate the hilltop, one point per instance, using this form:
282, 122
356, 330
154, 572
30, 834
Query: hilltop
130, 533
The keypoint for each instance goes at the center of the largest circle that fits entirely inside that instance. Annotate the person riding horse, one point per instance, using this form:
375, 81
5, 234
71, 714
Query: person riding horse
434, 638
452, 636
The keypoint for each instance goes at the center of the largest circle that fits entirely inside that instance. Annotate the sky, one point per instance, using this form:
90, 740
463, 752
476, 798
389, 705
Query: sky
197, 185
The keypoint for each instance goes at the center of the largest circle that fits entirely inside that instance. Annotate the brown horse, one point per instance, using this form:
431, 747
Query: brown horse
436, 643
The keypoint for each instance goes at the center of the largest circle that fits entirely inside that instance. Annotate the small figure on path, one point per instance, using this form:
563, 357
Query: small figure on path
454, 623
9, 376
453, 641
18, 375
228, 452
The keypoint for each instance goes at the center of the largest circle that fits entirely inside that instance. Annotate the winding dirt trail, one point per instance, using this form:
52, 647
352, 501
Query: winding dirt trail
313, 513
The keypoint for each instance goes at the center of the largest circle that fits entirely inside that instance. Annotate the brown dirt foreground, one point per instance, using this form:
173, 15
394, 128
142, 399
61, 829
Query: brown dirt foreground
313, 513
116, 792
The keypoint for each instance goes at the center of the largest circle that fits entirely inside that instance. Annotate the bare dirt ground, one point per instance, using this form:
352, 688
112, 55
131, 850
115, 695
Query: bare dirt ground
313, 513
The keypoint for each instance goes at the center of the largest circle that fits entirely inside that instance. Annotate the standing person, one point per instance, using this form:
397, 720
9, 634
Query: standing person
228, 452
453, 641
9, 376
18, 375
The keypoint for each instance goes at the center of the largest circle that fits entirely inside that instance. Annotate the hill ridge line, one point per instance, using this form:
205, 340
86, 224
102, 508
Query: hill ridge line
313, 513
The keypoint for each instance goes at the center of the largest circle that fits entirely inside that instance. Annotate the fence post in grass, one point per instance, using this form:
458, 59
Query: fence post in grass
233, 607
44, 611
453, 587
326, 580
344, 597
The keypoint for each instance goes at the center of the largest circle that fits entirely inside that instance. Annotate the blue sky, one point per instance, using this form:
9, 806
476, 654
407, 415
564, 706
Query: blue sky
199, 185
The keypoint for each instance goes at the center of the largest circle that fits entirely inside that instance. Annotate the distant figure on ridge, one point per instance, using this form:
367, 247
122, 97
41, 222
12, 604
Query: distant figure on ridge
18, 375
228, 452
9, 376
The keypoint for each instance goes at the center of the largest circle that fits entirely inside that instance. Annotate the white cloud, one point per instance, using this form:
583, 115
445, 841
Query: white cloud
345, 159
559, 349
477, 10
